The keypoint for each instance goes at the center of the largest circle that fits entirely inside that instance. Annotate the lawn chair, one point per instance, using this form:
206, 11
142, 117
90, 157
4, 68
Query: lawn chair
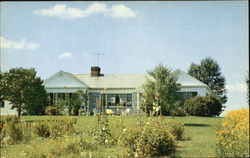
109, 112
126, 112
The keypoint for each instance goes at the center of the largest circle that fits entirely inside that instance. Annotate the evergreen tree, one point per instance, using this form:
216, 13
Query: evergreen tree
209, 72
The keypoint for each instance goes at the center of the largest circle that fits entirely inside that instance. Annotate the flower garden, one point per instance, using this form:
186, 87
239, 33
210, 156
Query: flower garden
125, 136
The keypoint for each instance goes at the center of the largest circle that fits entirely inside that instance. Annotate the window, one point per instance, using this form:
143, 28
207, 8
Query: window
1, 103
119, 99
186, 95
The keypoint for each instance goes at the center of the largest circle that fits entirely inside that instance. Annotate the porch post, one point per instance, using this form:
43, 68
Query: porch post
138, 102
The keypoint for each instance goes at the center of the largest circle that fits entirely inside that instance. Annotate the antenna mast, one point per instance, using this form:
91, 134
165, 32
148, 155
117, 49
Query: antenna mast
97, 57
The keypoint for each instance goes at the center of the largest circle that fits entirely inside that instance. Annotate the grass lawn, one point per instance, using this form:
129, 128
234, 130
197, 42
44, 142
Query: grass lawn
201, 131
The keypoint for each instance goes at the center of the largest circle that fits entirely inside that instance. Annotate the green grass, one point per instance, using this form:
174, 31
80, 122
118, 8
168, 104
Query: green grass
201, 131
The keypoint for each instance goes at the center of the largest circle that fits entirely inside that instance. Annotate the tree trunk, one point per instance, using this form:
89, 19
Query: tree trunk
19, 112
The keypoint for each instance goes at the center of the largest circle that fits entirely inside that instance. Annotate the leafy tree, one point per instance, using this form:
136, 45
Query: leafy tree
24, 90
160, 90
77, 101
209, 72
203, 106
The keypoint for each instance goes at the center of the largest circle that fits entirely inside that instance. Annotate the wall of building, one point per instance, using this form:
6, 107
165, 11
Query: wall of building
200, 90
6, 110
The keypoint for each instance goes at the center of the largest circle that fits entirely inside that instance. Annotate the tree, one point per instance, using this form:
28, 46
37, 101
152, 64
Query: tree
203, 106
160, 90
24, 90
209, 72
77, 101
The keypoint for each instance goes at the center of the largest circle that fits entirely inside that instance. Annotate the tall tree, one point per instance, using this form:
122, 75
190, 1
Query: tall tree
24, 90
160, 90
209, 72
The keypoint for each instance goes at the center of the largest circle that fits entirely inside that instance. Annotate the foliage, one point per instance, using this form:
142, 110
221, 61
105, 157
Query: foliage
101, 131
177, 129
200, 129
179, 109
13, 133
178, 112
24, 90
61, 126
55, 127
233, 135
41, 129
203, 106
151, 139
78, 100
9, 118
160, 90
209, 72
52, 148
53, 110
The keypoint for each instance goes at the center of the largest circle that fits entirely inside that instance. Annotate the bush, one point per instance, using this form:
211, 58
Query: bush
56, 127
14, 133
101, 131
61, 126
53, 110
148, 140
50, 148
8, 118
178, 112
203, 106
41, 129
177, 129
233, 135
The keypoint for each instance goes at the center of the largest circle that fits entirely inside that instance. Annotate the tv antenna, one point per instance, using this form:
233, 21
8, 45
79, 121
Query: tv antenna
97, 57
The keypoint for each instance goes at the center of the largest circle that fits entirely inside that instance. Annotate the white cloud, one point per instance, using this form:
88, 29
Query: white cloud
23, 44
65, 55
65, 12
121, 11
237, 87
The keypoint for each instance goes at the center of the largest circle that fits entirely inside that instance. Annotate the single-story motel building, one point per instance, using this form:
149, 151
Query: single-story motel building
112, 91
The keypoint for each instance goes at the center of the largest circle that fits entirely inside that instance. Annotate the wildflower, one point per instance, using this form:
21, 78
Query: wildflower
106, 141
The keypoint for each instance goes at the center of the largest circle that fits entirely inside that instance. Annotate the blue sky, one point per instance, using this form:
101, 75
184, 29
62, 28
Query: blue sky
132, 37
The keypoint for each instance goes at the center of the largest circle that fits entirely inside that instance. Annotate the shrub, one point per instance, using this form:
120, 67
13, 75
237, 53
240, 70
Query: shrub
53, 110
178, 112
62, 125
203, 106
233, 135
177, 129
148, 140
56, 127
41, 129
14, 133
51, 148
101, 131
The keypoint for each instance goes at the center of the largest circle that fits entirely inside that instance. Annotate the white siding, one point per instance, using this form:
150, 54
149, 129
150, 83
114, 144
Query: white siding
63, 90
62, 80
6, 110
200, 90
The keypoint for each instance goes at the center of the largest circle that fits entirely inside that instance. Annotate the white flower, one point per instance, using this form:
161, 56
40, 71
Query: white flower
106, 141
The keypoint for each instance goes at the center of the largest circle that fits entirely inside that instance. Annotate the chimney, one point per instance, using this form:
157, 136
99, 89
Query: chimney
95, 71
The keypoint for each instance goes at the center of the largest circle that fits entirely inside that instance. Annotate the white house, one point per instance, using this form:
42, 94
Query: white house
113, 91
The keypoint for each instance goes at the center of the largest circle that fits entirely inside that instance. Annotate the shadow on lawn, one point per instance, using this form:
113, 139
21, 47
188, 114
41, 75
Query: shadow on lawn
196, 124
